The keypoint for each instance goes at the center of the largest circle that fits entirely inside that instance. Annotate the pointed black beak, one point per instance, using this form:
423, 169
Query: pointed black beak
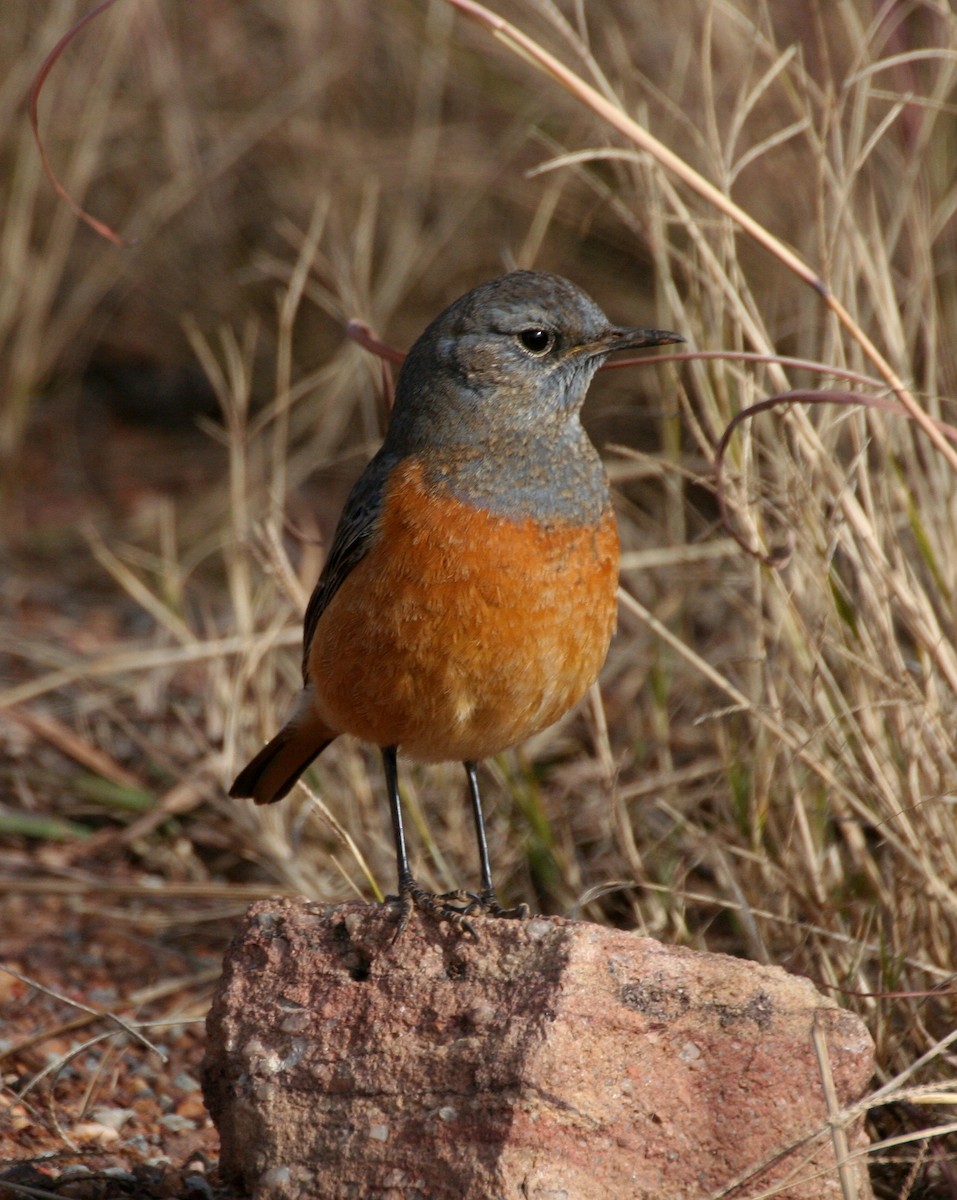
633, 339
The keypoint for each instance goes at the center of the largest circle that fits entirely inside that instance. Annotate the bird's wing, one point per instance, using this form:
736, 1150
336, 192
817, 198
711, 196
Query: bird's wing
354, 535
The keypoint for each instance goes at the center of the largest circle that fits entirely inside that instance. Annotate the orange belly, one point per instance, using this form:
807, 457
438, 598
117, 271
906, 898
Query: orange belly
461, 633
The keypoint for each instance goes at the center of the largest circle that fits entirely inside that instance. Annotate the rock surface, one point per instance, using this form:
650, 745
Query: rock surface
549, 1060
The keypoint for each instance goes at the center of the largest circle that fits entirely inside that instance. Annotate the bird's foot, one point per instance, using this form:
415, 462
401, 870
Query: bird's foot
438, 907
486, 903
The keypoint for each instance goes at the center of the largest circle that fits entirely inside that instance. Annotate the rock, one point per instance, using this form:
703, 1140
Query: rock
550, 1059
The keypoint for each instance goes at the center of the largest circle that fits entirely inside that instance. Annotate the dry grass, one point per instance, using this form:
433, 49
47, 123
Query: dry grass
771, 770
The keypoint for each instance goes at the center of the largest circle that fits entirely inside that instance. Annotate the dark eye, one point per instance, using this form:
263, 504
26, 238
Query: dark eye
536, 340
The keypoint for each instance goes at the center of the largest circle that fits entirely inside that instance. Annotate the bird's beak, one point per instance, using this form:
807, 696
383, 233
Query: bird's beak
632, 339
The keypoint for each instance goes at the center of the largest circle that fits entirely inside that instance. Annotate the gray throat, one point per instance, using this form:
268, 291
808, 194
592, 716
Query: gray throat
518, 476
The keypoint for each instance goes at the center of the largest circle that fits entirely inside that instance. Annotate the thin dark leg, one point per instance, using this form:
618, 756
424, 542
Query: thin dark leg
471, 770
486, 899
409, 891
395, 808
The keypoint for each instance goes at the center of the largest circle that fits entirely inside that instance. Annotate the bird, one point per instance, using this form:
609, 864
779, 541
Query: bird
468, 598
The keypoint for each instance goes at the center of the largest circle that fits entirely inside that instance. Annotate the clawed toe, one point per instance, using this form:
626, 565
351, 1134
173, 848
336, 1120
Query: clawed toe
486, 903
438, 907
520, 912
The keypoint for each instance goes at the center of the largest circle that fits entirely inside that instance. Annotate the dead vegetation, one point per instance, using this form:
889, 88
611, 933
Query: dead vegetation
771, 768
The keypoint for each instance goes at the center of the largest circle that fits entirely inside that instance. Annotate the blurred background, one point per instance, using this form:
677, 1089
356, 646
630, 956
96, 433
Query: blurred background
770, 768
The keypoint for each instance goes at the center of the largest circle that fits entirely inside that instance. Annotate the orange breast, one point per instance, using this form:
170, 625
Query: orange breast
461, 633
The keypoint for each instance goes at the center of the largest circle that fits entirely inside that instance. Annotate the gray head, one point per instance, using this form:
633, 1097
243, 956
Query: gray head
512, 356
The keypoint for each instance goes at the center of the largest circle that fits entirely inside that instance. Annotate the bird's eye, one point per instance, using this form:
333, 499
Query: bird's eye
536, 340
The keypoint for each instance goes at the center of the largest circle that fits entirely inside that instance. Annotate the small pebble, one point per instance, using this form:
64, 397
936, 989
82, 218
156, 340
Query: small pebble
93, 1131
689, 1052
175, 1123
191, 1106
275, 1176
119, 1173
114, 1118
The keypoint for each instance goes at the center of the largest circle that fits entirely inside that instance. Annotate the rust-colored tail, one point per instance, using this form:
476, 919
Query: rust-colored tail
278, 765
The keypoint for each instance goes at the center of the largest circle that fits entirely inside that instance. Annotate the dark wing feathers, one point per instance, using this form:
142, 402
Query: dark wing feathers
354, 535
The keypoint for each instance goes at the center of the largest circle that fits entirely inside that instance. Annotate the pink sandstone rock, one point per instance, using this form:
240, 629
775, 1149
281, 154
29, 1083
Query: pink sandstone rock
549, 1060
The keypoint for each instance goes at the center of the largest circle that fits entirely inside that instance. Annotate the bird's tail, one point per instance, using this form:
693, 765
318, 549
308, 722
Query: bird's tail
277, 766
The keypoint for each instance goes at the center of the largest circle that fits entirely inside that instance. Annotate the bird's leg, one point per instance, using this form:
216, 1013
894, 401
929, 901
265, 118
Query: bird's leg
486, 901
409, 891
